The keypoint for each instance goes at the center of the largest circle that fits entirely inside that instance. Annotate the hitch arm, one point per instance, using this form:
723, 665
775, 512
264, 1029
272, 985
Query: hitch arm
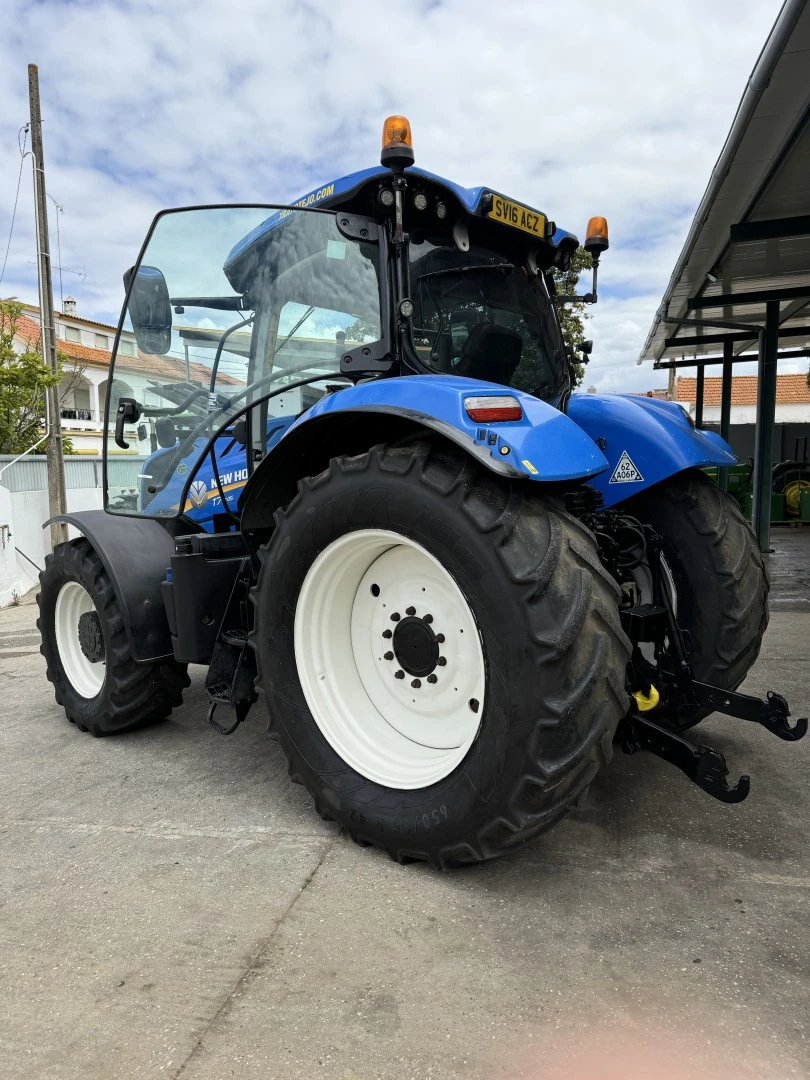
704, 765
772, 713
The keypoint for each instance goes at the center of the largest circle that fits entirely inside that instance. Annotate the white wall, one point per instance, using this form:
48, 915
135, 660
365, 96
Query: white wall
796, 413
11, 579
26, 510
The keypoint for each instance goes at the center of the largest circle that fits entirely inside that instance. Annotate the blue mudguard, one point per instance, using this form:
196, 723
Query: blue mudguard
644, 440
544, 445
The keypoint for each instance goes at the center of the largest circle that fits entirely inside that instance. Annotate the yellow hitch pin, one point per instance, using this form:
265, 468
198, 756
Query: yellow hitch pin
645, 702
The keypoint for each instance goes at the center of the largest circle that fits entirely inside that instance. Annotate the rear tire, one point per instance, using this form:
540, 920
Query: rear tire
720, 581
107, 691
552, 652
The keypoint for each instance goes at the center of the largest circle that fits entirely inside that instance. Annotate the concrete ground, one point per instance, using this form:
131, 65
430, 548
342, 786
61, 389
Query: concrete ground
171, 906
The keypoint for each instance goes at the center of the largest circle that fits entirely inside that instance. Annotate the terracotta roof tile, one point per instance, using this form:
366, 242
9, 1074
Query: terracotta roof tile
74, 318
160, 367
790, 390
661, 394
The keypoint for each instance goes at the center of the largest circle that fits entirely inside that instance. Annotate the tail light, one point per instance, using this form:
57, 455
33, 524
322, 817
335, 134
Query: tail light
493, 410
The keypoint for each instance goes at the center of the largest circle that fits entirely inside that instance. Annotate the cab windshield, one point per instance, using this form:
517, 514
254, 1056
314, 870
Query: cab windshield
229, 307
479, 315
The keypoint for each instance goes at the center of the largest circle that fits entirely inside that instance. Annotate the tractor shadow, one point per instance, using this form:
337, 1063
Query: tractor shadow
639, 813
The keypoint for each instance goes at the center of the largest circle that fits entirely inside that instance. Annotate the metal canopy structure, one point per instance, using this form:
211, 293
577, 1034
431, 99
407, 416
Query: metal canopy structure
742, 281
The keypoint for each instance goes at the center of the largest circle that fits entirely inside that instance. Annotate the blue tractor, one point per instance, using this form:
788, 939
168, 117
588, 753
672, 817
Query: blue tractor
367, 495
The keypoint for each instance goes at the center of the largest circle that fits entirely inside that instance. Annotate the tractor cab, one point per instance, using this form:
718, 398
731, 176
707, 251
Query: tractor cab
246, 316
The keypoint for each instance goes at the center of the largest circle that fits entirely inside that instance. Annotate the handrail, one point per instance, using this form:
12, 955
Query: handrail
19, 457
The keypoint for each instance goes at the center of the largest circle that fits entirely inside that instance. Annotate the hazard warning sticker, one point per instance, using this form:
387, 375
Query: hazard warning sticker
625, 471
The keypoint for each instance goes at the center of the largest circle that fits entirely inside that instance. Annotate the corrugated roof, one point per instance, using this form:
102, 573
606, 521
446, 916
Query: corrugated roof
761, 175
790, 390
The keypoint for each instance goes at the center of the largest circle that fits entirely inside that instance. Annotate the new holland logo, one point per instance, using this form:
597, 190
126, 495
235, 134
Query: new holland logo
625, 471
197, 494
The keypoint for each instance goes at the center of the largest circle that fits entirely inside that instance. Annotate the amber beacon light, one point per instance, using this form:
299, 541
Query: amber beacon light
397, 144
596, 236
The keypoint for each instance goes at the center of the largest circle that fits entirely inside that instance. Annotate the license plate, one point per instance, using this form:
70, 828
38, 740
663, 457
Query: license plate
519, 217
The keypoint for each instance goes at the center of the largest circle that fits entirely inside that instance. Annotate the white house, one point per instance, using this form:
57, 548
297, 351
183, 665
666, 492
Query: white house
87, 347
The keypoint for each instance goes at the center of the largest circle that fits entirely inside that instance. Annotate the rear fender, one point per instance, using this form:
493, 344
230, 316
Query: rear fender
545, 446
644, 440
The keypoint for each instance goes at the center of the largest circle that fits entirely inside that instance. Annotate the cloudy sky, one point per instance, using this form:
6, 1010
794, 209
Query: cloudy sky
579, 108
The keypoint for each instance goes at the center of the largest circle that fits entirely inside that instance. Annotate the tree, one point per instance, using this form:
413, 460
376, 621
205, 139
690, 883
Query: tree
24, 378
573, 315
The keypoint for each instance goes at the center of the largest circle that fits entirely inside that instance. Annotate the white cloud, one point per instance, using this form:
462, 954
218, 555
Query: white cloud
579, 108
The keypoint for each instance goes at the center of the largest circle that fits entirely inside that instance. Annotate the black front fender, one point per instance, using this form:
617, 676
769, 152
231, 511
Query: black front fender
135, 552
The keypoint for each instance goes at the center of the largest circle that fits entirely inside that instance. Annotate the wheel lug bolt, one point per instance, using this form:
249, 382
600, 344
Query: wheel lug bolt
389, 656
432, 679
395, 616
388, 633
410, 611
399, 675
442, 661
428, 618
416, 684
440, 638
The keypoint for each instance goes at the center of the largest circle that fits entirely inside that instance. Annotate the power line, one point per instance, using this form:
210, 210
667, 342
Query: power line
16, 198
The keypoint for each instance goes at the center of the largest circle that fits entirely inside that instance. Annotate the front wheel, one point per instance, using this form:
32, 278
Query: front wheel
440, 652
102, 688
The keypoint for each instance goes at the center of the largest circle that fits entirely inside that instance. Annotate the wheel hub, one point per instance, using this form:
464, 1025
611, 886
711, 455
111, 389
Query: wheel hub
416, 647
91, 639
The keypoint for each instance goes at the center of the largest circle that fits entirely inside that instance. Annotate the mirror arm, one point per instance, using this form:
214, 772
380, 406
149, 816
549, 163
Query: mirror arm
218, 303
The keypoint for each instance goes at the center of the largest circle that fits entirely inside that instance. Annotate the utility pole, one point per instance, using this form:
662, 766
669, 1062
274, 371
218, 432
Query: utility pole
57, 503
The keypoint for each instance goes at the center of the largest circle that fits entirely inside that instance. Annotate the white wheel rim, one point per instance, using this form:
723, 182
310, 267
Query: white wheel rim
384, 727
86, 677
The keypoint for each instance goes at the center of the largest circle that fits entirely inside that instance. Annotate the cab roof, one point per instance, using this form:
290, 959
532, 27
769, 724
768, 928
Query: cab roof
340, 191
470, 198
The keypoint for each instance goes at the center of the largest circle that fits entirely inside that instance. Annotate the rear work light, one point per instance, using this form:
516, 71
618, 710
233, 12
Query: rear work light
493, 410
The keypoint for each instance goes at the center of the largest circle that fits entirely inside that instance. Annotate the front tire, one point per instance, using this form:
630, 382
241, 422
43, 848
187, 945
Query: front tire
101, 687
454, 738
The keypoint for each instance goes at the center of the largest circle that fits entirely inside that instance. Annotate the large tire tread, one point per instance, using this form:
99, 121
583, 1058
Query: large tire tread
569, 605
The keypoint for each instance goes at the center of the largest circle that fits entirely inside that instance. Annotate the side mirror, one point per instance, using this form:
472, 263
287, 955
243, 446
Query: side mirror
149, 309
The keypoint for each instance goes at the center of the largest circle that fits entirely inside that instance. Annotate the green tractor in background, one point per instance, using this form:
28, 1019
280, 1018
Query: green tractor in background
790, 485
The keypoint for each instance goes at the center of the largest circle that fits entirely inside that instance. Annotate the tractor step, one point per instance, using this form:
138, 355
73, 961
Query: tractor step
230, 679
704, 765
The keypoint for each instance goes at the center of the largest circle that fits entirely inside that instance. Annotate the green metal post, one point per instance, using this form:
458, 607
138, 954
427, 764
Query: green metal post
725, 405
766, 413
701, 373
